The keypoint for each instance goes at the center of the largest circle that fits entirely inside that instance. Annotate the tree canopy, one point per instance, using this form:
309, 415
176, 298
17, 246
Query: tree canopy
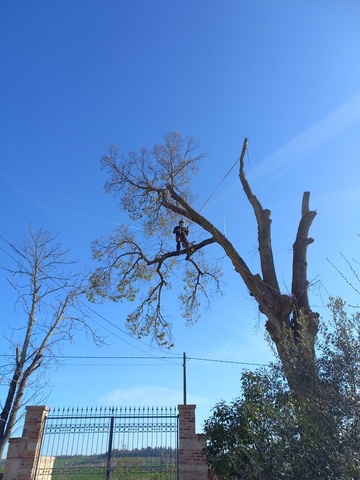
153, 188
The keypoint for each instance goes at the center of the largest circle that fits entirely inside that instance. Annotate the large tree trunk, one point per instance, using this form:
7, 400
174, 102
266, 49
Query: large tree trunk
290, 322
293, 327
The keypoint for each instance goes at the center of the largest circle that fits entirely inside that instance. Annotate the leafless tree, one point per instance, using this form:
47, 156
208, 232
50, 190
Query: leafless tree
48, 311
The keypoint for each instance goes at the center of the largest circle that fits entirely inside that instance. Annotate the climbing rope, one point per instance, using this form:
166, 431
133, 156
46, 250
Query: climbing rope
221, 182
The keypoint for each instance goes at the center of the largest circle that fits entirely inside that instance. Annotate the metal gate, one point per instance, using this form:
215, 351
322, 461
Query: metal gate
110, 444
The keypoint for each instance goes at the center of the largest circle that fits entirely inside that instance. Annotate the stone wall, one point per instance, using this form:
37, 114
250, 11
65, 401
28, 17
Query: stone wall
192, 461
23, 453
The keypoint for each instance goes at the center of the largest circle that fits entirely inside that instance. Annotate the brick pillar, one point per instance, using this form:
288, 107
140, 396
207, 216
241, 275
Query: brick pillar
192, 461
23, 453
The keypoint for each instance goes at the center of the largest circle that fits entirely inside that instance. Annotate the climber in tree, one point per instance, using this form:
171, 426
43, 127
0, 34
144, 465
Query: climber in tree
181, 232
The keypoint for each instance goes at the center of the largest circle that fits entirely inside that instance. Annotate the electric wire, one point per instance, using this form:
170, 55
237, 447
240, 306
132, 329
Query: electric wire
115, 357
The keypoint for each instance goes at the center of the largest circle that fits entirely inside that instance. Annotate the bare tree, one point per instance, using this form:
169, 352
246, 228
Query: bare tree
154, 188
48, 312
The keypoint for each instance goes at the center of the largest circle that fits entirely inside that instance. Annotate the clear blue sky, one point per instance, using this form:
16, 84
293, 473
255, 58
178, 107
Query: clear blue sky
79, 75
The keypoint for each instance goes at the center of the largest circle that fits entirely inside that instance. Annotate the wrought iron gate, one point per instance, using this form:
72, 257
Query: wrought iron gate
110, 444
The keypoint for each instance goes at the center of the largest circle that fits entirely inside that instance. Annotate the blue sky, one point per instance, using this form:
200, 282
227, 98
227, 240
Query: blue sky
80, 75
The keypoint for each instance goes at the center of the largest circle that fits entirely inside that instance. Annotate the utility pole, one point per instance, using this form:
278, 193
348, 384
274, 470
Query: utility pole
184, 378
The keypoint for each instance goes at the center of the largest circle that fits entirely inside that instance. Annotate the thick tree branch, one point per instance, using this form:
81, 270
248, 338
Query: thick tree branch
264, 234
266, 295
194, 248
299, 278
194, 216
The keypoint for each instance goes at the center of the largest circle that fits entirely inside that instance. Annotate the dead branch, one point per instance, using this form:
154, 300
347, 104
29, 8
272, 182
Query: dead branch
264, 234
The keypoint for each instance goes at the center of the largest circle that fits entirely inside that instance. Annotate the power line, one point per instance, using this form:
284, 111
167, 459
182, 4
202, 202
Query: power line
227, 361
102, 365
114, 357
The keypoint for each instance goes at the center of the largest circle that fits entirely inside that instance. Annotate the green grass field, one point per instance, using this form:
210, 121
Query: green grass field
124, 468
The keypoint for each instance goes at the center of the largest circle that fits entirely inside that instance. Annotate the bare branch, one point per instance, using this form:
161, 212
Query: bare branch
353, 271
264, 223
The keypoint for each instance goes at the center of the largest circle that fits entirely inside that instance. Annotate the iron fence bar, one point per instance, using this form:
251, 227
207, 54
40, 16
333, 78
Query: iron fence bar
177, 448
108, 463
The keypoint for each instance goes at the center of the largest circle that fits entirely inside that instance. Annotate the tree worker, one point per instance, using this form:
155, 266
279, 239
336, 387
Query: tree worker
181, 232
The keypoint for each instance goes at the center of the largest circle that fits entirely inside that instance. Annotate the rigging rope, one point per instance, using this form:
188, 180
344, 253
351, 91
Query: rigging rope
215, 190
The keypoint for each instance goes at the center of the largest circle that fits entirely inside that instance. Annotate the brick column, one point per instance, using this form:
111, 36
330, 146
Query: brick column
192, 461
23, 453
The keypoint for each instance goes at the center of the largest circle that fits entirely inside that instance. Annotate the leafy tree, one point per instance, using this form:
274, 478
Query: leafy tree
263, 435
254, 435
339, 370
153, 187
48, 312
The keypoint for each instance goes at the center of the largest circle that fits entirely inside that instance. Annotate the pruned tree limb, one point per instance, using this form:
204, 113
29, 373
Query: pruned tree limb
299, 271
264, 234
